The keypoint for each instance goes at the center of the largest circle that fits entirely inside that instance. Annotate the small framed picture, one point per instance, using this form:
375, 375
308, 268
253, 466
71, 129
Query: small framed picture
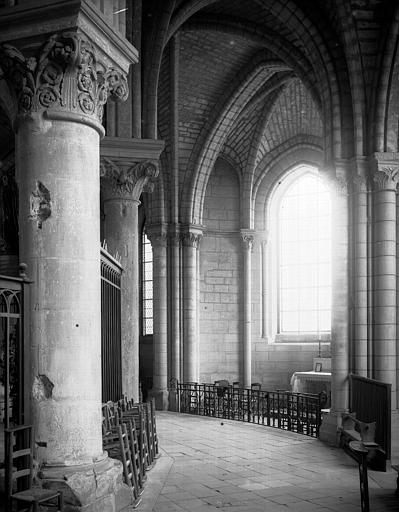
318, 367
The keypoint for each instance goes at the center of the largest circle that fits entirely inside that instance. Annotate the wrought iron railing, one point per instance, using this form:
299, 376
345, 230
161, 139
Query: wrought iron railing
111, 351
14, 348
297, 412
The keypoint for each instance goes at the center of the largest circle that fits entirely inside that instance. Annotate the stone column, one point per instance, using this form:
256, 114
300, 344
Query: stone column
121, 185
340, 298
385, 176
60, 91
191, 239
157, 237
264, 261
247, 237
175, 243
360, 349
340, 308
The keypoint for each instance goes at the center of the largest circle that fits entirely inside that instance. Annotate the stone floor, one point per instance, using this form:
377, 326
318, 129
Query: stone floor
220, 465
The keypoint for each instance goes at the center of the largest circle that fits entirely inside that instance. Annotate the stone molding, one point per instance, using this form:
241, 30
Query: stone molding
121, 181
63, 76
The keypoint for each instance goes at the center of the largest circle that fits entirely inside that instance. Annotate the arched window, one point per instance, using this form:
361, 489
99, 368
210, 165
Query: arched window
302, 232
146, 286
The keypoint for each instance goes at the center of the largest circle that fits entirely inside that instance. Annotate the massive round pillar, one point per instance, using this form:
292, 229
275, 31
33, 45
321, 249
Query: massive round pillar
61, 95
59, 240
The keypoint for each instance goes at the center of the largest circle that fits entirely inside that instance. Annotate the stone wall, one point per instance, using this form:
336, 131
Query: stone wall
221, 297
220, 265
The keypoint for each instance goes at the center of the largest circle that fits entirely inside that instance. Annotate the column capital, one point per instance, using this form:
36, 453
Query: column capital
62, 79
384, 171
338, 172
192, 235
63, 62
248, 238
121, 181
157, 234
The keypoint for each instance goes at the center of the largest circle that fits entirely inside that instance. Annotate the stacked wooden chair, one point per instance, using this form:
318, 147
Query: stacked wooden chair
129, 435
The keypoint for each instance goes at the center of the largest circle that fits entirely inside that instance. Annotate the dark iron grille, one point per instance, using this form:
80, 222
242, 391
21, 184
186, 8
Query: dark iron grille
296, 412
111, 352
13, 367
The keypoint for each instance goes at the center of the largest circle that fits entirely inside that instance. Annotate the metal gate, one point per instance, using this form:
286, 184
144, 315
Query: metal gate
111, 356
14, 367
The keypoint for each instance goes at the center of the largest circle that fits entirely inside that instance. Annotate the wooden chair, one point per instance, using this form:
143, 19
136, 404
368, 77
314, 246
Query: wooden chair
129, 467
19, 454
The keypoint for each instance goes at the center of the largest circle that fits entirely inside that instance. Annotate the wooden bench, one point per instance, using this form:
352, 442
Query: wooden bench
353, 429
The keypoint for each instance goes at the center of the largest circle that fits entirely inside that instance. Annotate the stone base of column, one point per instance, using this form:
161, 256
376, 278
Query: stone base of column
96, 487
173, 400
161, 398
329, 429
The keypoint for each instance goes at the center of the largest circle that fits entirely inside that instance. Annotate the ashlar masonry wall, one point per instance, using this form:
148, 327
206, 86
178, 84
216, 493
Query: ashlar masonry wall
220, 278
221, 297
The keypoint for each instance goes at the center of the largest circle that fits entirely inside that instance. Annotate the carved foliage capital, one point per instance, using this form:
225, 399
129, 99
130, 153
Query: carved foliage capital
122, 181
63, 76
191, 239
359, 183
385, 177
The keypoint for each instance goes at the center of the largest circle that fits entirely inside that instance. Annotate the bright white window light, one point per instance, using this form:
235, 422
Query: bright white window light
304, 257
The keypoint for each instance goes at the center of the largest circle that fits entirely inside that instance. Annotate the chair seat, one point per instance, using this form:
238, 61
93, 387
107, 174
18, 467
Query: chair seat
35, 494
